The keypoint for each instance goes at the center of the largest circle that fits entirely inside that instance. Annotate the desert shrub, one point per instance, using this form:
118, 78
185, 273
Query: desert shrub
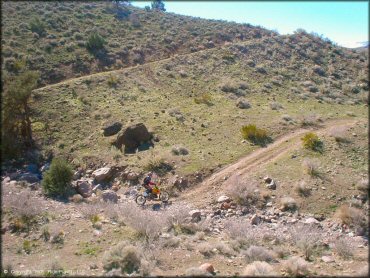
204, 98
296, 267
229, 86
343, 248
363, 185
37, 26
306, 238
275, 105
158, 165
243, 104
241, 233
25, 210
112, 81
95, 42
288, 203
54, 269
148, 224
302, 189
255, 135
172, 242
57, 179
179, 150
310, 120
312, 142
45, 233
224, 249
287, 118
261, 69
206, 249
126, 258
57, 235
339, 133
311, 167
257, 253
91, 211
258, 268
352, 216
243, 192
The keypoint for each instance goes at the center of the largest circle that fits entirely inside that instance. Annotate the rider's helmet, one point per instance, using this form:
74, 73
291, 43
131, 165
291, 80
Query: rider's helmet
150, 174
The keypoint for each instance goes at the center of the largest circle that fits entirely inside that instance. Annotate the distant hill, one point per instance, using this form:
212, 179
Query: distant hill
53, 37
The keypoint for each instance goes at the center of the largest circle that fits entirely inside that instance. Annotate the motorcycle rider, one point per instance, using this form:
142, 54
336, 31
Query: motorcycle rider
148, 184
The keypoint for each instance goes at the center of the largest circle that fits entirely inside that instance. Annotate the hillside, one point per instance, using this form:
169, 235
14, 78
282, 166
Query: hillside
56, 44
260, 139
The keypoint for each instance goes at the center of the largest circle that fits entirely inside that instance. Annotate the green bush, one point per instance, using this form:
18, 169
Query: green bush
255, 135
57, 179
312, 141
37, 26
95, 42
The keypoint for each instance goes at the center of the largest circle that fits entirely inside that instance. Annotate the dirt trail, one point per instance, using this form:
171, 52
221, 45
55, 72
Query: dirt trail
205, 192
74, 79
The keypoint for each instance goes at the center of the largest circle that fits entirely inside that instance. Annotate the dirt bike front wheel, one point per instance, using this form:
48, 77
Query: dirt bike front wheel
164, 196
140, 199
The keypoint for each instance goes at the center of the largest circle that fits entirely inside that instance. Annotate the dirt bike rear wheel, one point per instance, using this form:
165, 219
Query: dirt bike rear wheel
140, 199
164, 196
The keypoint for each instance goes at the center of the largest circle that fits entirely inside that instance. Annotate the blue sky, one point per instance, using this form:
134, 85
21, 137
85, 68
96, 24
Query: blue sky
345, 23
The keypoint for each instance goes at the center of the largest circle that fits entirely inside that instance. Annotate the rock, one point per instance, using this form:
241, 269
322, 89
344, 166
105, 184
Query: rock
195, 215
207, 267
112, 128
327, 259
225, 205
180, 183
45, 167
267, 179
97, 187
77, 175
102, 174
83, 187
223, 198
271, 185
29, 177
109, 196
132, 176
12, 183
311, 220
132, 137
255, 220
115, 187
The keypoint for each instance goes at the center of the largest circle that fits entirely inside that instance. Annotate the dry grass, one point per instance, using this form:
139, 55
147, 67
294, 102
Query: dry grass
196, 272
296, 267
363, 185
243, 192
288, 203
258, 253
206, 249
310, 120
351, 216
311, 167
258, 268
127, 258
302, 189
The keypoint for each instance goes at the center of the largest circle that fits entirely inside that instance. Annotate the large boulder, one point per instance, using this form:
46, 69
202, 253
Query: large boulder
109, 196
102, 174
207, 267
84, 188
112, 128
132, 137
29, 177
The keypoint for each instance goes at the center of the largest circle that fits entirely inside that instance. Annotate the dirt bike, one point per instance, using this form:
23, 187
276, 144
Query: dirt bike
142, 197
